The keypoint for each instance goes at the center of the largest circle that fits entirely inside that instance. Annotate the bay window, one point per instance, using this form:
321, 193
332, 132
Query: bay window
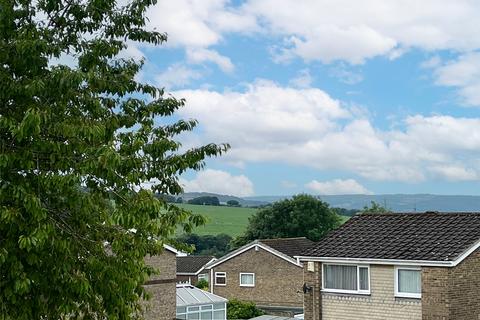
346, 278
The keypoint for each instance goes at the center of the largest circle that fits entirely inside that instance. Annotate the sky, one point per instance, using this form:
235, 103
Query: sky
325, 96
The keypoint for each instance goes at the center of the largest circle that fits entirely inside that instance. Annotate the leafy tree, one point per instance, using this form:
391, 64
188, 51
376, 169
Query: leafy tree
233, 203
202, 284
301, 216
237, 309
205, 200
76, 146
375, 208
346, 212
217, 245
179, 200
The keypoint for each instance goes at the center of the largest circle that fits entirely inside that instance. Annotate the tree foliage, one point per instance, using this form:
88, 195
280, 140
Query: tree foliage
237, 309
76, 146
205, 200
216, 245
375, 208
233, 203
301, 216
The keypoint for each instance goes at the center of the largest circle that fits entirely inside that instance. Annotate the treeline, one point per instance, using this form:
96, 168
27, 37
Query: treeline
203, 200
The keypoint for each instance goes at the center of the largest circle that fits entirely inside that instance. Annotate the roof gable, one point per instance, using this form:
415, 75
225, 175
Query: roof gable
432, 237
256, 243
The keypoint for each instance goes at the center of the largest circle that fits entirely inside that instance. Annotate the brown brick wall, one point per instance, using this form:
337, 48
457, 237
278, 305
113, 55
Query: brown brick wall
312, 300
277, 282
452, 293
162, 305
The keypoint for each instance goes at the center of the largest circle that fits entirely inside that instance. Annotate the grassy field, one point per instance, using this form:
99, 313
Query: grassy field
229, 220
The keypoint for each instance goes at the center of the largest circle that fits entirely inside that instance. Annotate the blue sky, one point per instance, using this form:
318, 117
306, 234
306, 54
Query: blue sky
325, 97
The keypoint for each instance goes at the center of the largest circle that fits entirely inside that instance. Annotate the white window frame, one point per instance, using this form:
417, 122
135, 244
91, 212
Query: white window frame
246, 285
202, 276
406, 294
220, 275
358, 291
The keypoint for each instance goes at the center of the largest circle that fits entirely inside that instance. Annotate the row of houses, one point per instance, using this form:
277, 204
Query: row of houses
376, 266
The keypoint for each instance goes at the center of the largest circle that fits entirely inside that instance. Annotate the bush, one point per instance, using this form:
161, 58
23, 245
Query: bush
237, 309
233, 203
202, 284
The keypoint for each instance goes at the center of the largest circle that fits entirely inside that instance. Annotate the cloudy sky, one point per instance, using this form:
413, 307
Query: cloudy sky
326, 96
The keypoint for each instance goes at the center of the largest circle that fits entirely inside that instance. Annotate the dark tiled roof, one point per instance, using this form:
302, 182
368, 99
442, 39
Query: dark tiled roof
289, 246
405, 236
192, 264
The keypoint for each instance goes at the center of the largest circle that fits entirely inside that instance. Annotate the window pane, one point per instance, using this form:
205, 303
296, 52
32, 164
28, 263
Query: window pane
193, 316
181, 309
340, 277
207, 307
181, 316
220, 279
206, 315
219, 306
190, 309
219, 315
246, 279
409, 281
363, 278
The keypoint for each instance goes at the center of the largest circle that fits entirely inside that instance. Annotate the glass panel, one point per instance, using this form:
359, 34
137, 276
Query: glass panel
220, 280
193, 316
409, 281
219, 315
363, 278
203, 276
206, 315
181, 309
246, 279
340, 277
217, 306
207, 307
190, 309
181, 316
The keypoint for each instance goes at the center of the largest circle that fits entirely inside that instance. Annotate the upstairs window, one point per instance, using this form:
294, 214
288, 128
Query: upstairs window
220, 278
408, 282
346, 278
247, 279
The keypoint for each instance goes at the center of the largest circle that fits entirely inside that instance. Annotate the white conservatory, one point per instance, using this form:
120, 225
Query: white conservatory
197, 304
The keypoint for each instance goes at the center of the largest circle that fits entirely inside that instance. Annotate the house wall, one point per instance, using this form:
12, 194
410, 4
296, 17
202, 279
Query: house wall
277, 282
162, 287
381, 304
187, 279
452, 293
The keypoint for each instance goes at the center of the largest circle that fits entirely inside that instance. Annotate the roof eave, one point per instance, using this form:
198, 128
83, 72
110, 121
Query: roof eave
397, 262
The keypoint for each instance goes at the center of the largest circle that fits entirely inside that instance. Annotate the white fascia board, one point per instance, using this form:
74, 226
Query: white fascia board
250, 246
172, 249
421, 263
468, 252
206, 264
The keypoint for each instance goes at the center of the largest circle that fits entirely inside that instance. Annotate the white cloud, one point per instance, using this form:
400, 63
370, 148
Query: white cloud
303, 79
353, 31
205, 55
307, 127
337, 186
464, 74
177, 76
217, 181
343, 74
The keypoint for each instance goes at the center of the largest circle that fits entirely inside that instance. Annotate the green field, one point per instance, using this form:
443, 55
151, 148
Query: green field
229, 220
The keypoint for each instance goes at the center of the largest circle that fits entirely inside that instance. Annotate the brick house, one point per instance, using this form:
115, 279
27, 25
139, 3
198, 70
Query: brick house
396, 266
264, 272
190, 269
162, 286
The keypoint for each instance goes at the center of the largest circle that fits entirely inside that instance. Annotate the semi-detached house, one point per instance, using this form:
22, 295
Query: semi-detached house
416, 266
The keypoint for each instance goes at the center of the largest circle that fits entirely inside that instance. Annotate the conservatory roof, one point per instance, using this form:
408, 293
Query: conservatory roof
188, 295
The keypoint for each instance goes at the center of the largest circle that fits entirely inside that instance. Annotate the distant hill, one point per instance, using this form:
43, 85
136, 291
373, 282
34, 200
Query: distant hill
397, 202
